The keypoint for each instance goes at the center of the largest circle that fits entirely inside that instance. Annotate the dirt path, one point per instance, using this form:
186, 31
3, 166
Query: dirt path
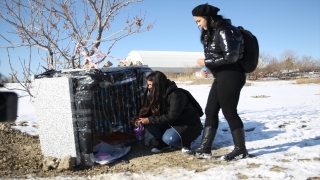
20, 155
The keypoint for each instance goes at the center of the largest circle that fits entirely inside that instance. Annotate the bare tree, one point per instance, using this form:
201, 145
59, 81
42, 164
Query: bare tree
271, 64
288, 61
306, 64
274, 67
259, 71
54, 28
265, 58
289, 64
317, 64
27, 72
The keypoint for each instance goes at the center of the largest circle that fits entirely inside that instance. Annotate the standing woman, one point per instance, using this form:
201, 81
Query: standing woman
223, 47
169, 115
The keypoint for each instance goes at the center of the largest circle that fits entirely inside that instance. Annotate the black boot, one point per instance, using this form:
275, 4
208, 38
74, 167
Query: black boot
204, 150
240, 150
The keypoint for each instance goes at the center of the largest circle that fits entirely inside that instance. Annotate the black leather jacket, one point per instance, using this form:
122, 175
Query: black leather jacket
226, 47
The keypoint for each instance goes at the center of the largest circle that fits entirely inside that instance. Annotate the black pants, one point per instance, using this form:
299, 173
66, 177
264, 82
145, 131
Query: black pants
224, 94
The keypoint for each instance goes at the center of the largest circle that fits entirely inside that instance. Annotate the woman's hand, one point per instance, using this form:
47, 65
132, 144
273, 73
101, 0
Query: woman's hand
204, 73
200, 62
134, 119
144, 120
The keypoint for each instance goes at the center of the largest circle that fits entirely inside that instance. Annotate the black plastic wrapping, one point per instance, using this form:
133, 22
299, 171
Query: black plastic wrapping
104, 101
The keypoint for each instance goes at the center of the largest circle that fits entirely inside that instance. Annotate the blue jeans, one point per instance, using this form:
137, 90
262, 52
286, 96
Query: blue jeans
164, 132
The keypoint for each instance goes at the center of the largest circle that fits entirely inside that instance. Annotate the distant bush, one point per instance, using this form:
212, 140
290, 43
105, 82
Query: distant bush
180, 76
191, 77
308, 81
4, 80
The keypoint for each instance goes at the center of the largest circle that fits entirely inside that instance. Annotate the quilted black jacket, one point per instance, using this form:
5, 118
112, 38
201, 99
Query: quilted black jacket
226, 47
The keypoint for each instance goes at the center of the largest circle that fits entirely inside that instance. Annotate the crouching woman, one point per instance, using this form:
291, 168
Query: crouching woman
169, 115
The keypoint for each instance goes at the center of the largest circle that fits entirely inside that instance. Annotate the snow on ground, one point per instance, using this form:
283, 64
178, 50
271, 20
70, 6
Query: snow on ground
282, 120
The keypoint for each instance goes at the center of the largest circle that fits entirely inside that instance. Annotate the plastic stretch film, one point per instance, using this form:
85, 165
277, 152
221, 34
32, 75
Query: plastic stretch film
104, 101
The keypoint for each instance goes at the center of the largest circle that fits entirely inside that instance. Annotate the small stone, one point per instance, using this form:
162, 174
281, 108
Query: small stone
190, 158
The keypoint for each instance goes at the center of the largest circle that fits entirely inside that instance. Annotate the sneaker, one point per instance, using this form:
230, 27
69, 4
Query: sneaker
203, 155
187, 151
237, 153
160, 148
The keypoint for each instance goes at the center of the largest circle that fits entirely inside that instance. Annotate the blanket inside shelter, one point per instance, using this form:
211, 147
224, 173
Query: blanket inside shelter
106, 153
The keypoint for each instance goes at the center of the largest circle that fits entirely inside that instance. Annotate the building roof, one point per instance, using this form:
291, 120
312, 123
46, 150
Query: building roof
165, 59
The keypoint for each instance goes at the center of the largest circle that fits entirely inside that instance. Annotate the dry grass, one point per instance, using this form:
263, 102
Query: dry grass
190, 77
308, 81
180, 76
185, 78
196, 80
202, 81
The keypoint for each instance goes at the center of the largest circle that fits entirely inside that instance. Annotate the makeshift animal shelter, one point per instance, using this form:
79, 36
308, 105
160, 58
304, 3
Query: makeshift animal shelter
75, 106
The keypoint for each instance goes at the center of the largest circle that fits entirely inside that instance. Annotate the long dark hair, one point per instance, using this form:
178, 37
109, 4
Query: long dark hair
207, 35
156, 95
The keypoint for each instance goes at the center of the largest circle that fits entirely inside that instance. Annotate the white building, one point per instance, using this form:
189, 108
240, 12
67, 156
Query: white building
166, 61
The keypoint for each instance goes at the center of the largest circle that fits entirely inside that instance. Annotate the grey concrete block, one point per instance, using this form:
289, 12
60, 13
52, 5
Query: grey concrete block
53, 104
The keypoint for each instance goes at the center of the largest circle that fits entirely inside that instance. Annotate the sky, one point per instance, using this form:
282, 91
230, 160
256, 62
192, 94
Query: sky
279, 26
286, 133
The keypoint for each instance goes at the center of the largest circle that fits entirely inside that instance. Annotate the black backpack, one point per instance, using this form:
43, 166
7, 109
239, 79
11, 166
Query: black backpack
250, 58
193, 101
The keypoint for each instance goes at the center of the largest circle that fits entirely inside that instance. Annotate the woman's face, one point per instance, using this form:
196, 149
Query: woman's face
201, 22
149, 84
